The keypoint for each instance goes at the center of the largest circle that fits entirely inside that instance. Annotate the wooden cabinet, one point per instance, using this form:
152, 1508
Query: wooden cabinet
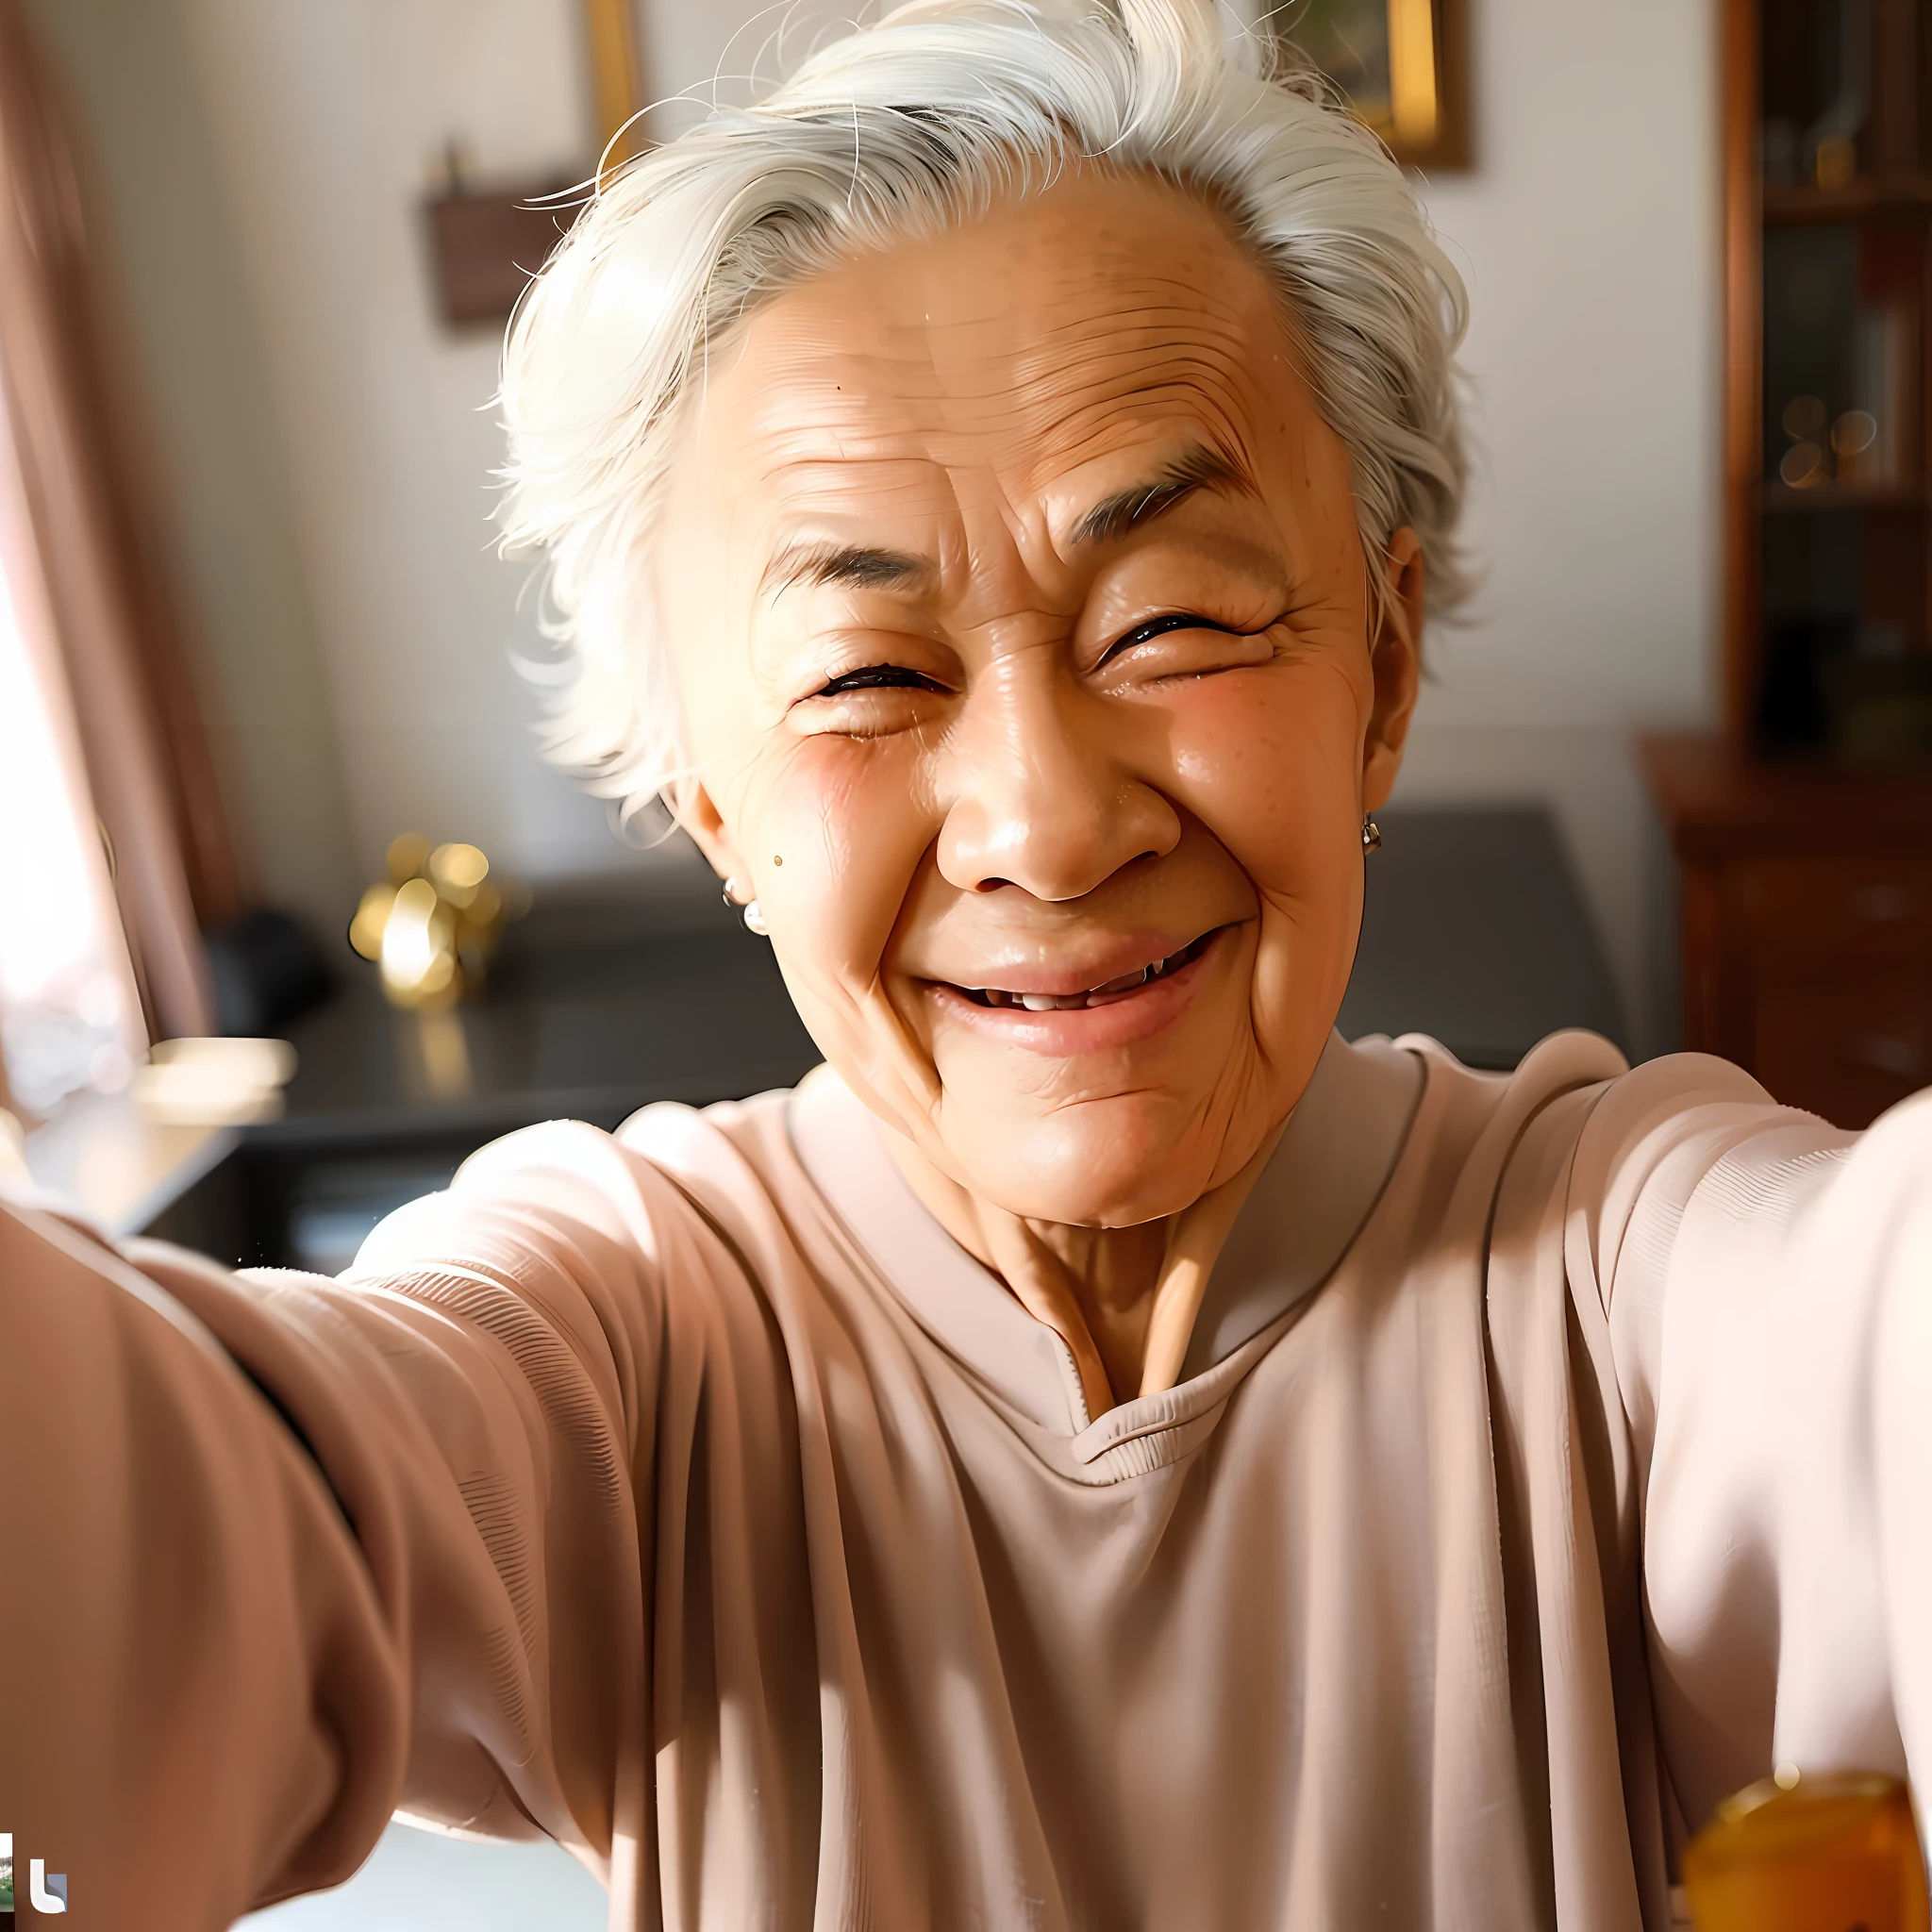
1827, 207
1806, 921
1804, 832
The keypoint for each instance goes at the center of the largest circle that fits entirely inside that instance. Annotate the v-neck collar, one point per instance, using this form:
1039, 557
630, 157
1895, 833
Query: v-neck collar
964, 1306
1311, 1200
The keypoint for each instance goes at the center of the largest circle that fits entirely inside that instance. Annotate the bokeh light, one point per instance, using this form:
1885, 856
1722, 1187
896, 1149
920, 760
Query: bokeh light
435, 923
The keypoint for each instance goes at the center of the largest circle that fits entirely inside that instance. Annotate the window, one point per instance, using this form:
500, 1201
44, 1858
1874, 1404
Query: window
69, 1016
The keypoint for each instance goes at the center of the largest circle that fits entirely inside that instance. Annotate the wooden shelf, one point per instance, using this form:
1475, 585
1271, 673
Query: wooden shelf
1868, 195
1780, 499
1878, 264
1714, 797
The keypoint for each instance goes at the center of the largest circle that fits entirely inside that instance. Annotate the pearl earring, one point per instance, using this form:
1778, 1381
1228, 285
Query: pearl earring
1372, 835
746, 909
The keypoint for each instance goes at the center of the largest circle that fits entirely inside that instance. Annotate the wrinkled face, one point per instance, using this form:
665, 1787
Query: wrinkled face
1023, 630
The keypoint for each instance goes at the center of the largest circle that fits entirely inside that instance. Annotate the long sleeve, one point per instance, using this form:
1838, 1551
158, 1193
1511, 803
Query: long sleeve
1768, 1283
289, 1553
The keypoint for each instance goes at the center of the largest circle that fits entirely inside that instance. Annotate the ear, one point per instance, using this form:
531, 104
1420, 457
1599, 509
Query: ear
1395, 662
694, 810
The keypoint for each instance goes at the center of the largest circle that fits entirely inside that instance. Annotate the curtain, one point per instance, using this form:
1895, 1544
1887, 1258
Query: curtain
145, 755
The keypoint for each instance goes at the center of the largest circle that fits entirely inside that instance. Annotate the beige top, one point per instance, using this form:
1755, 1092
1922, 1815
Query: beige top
686, 1494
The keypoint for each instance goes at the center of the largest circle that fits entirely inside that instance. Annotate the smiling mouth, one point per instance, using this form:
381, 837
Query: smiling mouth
1102, 995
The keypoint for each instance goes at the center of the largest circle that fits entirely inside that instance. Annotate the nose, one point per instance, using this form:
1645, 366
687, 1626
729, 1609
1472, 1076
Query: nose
1040, 795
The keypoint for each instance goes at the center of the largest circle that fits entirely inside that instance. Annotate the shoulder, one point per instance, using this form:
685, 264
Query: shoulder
1575, 1130
1559, 1064
734, 1160
564, 1190
1472, 1127
1687, 1155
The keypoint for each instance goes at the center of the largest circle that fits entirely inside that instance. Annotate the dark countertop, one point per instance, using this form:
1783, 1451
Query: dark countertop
1475, 932
585, 1027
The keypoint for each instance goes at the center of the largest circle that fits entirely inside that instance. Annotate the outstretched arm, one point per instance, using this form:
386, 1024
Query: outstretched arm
287, 1553
1770, 1303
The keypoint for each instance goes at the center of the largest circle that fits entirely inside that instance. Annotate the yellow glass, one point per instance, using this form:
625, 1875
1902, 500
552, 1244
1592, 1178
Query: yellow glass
434, 923
1837, 1852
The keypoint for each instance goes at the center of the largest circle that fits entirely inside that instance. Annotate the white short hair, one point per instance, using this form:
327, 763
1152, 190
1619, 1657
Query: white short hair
901, 129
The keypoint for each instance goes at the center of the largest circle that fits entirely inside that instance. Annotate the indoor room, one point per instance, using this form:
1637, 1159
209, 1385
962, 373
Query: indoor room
339, 843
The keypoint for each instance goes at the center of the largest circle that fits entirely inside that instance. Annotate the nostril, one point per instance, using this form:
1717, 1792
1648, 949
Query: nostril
991, 885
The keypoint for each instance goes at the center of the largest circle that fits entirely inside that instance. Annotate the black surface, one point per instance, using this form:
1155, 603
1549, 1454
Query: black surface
267, 972
591, 1013
584, 1028
1474, 932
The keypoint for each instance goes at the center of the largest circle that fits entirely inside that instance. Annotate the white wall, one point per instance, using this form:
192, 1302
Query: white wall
328, 120
1587, 234
726, 49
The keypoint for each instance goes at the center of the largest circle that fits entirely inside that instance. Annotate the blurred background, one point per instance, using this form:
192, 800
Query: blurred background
292, 916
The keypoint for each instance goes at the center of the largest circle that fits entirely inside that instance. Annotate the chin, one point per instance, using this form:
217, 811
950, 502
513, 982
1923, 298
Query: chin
1101, 1163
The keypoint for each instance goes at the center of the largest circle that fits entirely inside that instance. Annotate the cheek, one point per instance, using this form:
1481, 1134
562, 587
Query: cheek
850, 823
1271, 763
1274, 772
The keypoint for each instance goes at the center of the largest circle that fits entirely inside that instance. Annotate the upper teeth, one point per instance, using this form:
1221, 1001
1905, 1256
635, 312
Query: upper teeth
1057, 1001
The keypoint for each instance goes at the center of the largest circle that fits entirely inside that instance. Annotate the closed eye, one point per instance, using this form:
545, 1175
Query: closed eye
1159, 627
879, 677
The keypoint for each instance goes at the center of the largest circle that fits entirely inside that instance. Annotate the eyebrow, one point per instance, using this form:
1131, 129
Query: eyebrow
1197, 468
858, 566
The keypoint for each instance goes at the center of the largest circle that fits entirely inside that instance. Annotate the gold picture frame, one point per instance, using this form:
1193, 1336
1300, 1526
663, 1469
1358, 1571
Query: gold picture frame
1400, 64
611, 32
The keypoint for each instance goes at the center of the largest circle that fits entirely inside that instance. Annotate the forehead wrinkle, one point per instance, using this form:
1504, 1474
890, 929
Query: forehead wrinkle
1052, 388
1028, 433
817, 493
1126, 350
1085, 428
815, 463
1087, 383
1064, 397
914, 361
1156, 307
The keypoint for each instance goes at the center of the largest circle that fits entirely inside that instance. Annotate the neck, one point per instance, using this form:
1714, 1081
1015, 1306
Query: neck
1124, 1299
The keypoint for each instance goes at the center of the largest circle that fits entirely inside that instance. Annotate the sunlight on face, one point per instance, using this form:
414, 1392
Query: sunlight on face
1023, 625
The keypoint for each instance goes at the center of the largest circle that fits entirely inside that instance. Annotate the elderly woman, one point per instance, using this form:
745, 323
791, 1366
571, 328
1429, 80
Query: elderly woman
1104, 1452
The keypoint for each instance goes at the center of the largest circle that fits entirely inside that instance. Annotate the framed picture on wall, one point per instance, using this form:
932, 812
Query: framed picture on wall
487, 239
1401, 64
